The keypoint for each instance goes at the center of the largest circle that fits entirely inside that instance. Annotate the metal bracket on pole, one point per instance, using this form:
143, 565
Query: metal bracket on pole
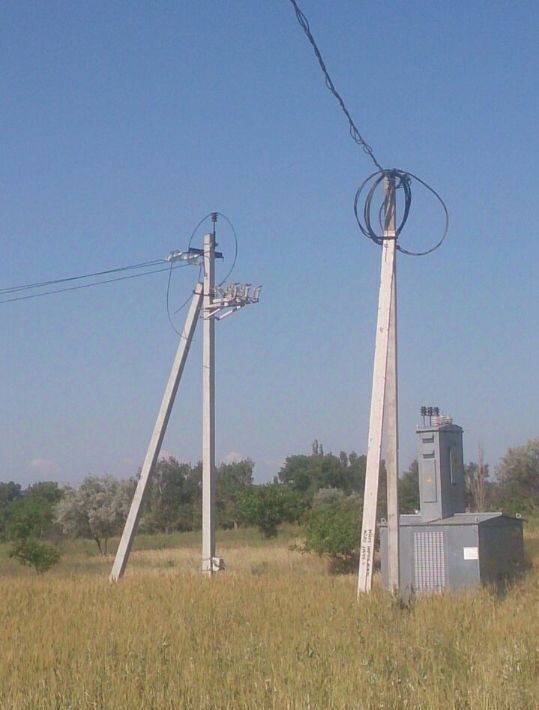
154, 447
384, 396
230, 298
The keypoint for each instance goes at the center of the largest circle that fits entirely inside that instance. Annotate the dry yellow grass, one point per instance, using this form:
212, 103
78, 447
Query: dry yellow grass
273, 631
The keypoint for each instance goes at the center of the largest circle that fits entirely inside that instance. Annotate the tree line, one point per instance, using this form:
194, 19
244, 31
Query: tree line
323, 491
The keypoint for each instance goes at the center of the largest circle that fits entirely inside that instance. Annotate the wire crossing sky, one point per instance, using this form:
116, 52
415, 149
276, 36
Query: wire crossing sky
402, 178
124, 124
354, 132
37, 287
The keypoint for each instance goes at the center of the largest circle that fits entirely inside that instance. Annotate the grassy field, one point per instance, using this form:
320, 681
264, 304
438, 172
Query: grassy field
273, 631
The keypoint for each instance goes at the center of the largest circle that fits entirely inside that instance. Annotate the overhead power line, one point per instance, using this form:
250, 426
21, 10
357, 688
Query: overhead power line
402, 178
54, 282
39, 289
354, 132
94, 283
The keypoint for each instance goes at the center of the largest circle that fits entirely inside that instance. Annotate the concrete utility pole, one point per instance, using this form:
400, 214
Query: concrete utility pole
392, 412
154, 447
383, 400
209, 562
216, 304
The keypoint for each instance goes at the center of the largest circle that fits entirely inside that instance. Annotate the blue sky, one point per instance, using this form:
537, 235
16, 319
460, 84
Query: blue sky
124, 123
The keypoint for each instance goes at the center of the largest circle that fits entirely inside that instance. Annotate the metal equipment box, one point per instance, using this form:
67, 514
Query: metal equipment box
443, 547
463, 550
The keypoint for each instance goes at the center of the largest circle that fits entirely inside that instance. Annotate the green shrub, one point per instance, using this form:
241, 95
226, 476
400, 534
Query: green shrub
334, 530
268, 506
35, 554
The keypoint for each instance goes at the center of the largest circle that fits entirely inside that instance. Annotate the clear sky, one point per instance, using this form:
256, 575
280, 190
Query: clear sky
124, 123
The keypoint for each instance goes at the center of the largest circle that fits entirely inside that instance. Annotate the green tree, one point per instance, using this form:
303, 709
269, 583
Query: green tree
48, 491
327, 496
30, 513
334, 530
9, 492
268, 506
297, 473
28, 516
97, 510
173, 497
357, 466
478, 487
232, 479
518, 479
33, 553
307, 474
409, 489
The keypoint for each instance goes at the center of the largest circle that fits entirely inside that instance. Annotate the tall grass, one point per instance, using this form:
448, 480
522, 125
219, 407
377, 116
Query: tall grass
273, 631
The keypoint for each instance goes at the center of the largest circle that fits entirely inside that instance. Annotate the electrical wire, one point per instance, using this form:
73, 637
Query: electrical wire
169, 315
191, 238
195, 230
212, 215
180, 308
229, 222
408, 252
95, 283
403, 180
354, 132
199, 279
402, 177
233, 265
54, 282
168, 302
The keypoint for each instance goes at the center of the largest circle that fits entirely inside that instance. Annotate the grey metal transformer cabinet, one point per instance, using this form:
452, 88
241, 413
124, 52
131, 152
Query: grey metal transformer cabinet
461, 551
443, 547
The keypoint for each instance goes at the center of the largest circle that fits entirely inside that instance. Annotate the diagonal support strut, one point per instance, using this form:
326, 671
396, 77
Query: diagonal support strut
154, 447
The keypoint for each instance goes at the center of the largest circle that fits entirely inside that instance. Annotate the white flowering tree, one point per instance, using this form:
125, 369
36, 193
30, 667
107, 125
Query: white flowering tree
97, 510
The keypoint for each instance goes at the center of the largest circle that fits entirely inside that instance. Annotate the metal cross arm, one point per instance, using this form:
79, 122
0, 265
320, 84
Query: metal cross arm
191, 256
230, 298
200, 252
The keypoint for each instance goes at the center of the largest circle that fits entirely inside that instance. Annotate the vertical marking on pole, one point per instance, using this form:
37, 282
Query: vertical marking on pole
154, 447
208, 420
378, 396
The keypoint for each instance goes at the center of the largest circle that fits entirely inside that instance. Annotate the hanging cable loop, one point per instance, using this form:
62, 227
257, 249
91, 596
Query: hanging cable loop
403, 181
214, 216
402, 178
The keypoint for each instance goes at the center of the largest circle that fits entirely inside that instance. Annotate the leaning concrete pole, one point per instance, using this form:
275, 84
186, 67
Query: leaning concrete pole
378, 396
154, 447
208, 409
